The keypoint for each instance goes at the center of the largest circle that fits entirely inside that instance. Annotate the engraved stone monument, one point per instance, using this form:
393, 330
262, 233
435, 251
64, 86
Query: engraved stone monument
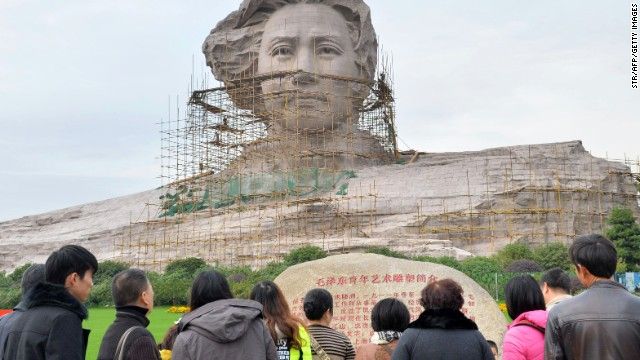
358, 281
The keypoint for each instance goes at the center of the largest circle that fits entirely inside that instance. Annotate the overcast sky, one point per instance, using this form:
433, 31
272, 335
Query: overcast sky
84, 84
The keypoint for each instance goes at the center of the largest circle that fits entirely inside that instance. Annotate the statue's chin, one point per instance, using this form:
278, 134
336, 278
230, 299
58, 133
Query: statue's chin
310, 116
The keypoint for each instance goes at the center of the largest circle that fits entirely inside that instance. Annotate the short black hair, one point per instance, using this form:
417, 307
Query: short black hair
522, 294
32, 277
127, 286
316, 303
557, 278
390, 315
596, 253
67, 260
209, 286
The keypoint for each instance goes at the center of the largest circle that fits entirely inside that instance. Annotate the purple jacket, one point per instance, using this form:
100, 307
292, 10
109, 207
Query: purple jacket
525, 342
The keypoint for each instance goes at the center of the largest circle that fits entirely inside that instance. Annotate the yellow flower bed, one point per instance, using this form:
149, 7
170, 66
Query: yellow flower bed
503, 307
179, 309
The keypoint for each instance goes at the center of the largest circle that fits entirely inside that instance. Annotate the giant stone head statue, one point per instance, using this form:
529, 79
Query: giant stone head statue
309, 61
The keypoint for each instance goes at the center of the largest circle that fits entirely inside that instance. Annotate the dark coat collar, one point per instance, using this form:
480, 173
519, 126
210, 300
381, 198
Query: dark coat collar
47, 294
133, 312
443, 319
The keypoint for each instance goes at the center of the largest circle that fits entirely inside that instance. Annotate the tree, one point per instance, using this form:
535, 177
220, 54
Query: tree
624, 231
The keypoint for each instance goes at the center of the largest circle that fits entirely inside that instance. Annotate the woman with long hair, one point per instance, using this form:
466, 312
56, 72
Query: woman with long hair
288, 332
221, 327
525, 304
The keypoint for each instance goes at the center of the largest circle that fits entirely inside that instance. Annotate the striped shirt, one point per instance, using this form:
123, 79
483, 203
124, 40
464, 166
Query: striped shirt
333, 342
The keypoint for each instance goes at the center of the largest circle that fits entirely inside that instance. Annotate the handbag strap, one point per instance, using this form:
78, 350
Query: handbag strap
318, 349
119, 355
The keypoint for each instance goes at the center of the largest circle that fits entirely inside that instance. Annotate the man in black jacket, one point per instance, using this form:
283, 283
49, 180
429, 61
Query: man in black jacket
133, 297
604, 321
51, 327
30, 278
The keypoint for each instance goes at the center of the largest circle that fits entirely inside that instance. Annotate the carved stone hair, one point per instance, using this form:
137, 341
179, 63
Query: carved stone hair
232, 47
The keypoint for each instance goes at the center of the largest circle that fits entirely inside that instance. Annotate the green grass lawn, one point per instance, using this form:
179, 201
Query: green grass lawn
100, 318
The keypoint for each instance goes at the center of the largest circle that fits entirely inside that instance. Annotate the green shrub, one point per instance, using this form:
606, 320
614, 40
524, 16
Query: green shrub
272, 270
523, 266
4, 280
483, 270
478, 267
513, 252
240, 279
153, 276
16, 276
552, 255
621, 266
381, 250
101, 294
304, 254
188, 267
172, 289
242, 290
10, 297
444, 260
107, 270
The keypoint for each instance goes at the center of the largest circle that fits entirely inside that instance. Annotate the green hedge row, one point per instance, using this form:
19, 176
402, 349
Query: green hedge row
172, 286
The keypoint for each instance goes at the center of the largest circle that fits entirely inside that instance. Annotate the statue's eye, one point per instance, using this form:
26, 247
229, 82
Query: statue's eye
282, 51
328, 50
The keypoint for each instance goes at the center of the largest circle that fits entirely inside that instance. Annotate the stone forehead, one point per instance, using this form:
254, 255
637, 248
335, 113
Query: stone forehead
305, 14
232, 47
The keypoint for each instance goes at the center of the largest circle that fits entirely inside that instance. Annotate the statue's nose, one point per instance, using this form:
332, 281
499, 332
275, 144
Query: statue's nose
306, 60
306, 67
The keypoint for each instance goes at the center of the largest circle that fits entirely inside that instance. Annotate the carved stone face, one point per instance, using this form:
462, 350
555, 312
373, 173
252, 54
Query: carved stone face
312, 38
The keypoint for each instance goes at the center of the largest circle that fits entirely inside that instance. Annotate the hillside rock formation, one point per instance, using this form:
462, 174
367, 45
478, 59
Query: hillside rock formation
440, 204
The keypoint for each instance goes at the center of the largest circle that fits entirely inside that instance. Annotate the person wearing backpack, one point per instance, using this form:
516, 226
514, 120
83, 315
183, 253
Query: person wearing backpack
127, 337
524, 339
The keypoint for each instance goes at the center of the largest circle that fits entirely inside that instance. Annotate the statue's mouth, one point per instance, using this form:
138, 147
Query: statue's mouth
300, 97
310, 103
310, 96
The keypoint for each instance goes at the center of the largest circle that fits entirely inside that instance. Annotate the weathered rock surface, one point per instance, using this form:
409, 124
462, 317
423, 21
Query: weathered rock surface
439, 204
358, 281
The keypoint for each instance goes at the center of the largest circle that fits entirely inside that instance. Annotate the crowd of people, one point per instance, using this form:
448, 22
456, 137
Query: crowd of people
603, 322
